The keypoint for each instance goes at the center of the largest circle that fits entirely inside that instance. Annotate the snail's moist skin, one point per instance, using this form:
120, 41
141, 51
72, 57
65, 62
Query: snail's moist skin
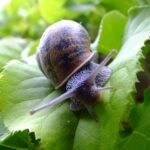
87, 93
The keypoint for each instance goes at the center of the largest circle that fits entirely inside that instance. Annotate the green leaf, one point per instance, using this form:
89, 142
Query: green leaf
111, 32
86, 1
13, 6
28, 19
11, 48
23, 87
3, 130
145, 2
18, 140
118, 103
122, 6
140, 122
52, 10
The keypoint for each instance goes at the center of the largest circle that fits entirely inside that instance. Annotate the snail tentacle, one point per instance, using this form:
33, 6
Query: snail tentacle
55, 101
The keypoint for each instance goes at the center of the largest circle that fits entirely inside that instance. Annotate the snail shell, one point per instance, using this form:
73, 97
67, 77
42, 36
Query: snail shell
64, 48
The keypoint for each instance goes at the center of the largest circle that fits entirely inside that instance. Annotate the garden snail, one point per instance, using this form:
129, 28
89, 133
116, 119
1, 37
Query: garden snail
65, 57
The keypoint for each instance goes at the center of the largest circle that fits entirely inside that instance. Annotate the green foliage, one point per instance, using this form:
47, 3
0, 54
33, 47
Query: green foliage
110, 22
122, 6
11, 48
51, 14
139, 138
23, 86
3, 131
117, 104
27, 22
18, 140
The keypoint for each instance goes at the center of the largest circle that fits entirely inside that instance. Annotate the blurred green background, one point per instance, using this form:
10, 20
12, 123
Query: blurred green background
29, 18
22, 23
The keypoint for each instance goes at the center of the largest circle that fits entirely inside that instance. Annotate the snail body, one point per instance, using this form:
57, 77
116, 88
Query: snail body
65, 57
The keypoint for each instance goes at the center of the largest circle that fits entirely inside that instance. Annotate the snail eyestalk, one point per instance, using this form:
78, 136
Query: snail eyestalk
104, 88
53, 102
93, 75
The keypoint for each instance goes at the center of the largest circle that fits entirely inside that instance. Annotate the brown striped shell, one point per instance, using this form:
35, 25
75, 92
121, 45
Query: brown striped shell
64, 48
